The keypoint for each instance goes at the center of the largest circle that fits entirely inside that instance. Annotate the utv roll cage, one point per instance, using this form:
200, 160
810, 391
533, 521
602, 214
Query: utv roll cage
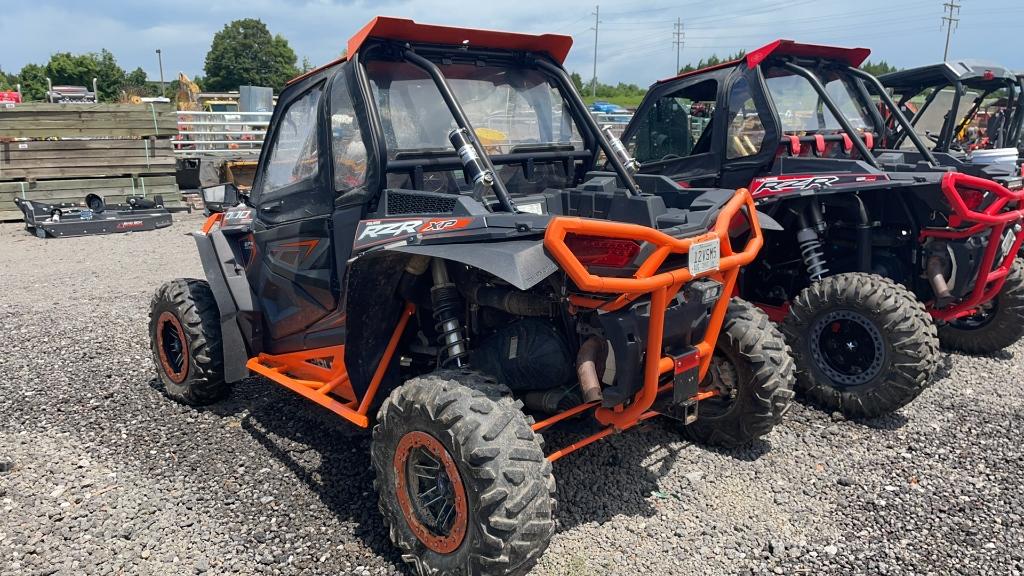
806, 59
419, 45
960, 75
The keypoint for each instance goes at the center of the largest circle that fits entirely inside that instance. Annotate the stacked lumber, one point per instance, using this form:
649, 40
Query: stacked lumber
62, 152
45, 159
36, 120
113, 190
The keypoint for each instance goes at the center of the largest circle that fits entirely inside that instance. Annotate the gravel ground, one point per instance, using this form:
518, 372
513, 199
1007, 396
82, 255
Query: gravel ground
110, 477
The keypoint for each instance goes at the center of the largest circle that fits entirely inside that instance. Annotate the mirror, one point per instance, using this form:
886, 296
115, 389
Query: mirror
217, 198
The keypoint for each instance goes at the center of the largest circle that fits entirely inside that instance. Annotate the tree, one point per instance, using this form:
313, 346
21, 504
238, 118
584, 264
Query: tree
712, 60
33, 82
136, 78
245, 53
878, 68
7, 81
79, 70
577, 81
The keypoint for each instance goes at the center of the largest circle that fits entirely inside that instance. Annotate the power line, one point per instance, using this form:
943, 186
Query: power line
678, 40
949, 21
597, 24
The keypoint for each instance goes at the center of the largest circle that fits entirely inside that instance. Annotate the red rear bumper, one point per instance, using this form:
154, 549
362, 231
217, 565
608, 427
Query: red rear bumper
1006, 211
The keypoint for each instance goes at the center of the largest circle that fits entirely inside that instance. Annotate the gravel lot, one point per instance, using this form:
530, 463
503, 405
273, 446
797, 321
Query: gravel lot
110, 477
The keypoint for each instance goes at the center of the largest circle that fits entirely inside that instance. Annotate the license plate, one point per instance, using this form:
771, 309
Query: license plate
1009, 238
704, 257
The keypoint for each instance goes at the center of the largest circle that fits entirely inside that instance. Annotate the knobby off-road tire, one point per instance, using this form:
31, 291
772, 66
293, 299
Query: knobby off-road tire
996, 328
752, 354
184, 333
886, 319
509, 490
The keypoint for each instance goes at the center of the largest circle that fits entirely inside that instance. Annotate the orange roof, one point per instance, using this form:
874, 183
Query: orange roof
555, 45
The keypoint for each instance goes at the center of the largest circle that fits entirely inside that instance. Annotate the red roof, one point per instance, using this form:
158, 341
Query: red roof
555, 45
850, 56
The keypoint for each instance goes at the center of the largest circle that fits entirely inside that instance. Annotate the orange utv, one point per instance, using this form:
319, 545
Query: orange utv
429, 252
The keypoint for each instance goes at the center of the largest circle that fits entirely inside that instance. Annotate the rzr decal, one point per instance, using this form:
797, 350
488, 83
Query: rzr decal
376, 228
773, 185
784, 184
130, 224
373, 230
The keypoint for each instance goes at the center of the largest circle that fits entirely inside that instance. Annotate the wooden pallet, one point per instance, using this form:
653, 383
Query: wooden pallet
35, 120
37, 160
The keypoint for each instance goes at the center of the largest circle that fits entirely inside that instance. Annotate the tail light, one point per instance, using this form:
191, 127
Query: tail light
595, 251
972, 198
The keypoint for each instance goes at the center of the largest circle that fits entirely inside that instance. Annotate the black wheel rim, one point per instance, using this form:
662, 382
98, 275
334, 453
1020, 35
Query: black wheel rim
432, 492
847, 347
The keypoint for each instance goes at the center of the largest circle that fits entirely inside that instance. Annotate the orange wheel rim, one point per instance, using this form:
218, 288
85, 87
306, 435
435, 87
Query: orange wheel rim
430, 492
172, 347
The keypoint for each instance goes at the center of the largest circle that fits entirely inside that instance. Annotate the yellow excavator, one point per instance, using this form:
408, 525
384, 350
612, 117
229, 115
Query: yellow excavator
188, 94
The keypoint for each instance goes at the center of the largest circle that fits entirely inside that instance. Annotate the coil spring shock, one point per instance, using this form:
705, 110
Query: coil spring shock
812, 254
447, 301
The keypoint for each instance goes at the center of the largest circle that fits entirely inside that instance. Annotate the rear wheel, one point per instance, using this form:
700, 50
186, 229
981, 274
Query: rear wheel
184, 332
996, 326
462, 480
753, 374
862, 344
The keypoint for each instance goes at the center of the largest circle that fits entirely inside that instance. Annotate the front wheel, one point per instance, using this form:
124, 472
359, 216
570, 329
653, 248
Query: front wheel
863, 345
752, 371
184, 333
997, 325
462, 480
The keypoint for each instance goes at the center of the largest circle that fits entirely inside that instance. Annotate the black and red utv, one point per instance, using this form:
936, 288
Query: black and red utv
864, 258
428, 250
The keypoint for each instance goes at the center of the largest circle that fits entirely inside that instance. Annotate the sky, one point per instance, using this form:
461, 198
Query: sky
634, 44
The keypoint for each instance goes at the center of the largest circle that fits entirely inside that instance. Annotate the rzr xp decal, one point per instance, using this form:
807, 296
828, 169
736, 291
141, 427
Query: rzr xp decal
376, 231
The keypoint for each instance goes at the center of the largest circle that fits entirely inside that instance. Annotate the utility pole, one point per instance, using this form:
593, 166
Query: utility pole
160, 59
597, 24
949, 20
679, 39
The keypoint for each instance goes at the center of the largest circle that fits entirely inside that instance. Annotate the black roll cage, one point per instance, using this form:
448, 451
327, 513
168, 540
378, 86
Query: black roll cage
418, 56
952, 125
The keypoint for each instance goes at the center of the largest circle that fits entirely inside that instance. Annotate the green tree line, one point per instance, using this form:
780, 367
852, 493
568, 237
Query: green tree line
244, 52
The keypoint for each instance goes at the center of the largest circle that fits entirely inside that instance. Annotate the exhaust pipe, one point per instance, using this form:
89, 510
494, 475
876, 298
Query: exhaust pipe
936, 271
589, 364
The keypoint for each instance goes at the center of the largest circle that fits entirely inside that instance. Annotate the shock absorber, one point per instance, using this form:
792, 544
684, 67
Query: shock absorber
810, 243
810, 251
447, 301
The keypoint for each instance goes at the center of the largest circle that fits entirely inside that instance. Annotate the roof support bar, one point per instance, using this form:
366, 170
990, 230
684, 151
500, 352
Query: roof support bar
588, 119
504, 199
865, 154
908, 129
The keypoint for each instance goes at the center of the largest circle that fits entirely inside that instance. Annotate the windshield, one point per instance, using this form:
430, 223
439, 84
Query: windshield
801, 110
510, 108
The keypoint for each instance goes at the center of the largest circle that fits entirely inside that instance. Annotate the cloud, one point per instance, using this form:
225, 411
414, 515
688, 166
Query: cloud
635, 39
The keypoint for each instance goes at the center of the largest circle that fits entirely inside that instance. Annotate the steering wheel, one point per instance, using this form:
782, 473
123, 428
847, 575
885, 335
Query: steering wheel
930, 136
670, 157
